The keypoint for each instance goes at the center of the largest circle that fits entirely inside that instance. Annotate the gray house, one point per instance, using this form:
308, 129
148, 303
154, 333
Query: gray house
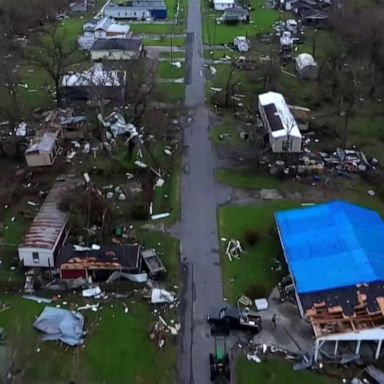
116, 49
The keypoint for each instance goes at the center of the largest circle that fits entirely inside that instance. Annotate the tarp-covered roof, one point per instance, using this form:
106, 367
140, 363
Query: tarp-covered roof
332, 245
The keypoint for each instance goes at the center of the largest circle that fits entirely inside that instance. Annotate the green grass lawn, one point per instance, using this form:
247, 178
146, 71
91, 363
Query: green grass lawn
156, 28
247, 179
170, 92
227, 126
117, 347
276, 371
117, 344
167, 198
165, 42
213, 33
253, 271
167, 71
175, 55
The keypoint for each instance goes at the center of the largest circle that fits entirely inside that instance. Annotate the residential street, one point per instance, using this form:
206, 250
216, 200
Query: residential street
198, 229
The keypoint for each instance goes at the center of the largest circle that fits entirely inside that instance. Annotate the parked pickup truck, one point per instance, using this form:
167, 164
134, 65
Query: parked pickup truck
234, 318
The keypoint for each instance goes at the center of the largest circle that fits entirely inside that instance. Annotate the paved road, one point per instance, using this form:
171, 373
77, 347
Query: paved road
198, 229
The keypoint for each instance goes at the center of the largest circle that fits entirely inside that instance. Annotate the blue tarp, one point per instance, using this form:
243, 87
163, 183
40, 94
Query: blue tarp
61, 324
332, 245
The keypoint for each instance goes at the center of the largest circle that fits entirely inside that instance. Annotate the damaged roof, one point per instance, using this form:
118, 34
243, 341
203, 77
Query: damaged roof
42, 143
107, 257
332, 245
48, 224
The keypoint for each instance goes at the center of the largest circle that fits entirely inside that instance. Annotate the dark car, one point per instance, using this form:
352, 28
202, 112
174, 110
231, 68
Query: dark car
233, 318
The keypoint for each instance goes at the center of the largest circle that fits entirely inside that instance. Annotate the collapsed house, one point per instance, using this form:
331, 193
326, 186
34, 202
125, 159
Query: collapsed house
43, 149
98, 262
49, 229
281, 127
82, 86
335, 257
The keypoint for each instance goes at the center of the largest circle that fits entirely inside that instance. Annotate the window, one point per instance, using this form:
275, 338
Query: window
35, 257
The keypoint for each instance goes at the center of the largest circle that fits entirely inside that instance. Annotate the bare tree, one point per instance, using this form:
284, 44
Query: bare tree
360, 23
270, 70
9, 79
138, 84
53, 54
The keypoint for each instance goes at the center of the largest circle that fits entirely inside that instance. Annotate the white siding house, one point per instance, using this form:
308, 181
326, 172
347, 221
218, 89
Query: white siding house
283, 131
107, 28
220, 5
49, 228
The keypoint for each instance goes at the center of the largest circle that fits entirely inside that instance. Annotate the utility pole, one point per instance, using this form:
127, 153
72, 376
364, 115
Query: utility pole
171, 50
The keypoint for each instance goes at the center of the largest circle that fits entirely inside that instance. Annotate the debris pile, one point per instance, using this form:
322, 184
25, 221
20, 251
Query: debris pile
61, 324
234, 249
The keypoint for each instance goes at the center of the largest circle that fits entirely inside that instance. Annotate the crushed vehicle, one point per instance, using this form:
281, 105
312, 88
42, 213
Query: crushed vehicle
228, 318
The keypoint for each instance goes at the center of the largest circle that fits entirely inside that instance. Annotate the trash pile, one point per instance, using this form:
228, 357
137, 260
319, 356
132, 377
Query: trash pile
339, 163
161, 329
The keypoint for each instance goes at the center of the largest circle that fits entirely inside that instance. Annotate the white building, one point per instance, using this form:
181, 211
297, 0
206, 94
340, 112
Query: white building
106, 28
49, 228
220, 5
42, 150
284, 133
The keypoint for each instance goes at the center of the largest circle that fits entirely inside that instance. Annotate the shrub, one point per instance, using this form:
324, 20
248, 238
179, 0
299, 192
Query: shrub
252, 237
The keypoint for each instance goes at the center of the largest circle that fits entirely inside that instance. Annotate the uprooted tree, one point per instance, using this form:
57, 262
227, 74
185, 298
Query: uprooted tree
53, 54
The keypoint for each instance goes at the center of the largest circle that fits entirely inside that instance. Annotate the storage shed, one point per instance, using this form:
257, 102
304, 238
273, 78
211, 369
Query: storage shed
306, 66
43, 149
279, 123
49, 228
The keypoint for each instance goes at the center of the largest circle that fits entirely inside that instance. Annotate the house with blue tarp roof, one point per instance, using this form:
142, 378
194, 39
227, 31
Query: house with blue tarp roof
335, 255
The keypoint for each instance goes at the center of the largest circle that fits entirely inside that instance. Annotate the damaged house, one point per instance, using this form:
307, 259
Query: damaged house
279, 124
49, 229
43, 149
82, 86
335, 256
99, 262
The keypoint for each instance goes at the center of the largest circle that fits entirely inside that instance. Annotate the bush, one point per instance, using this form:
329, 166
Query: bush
256, 291
252, 237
